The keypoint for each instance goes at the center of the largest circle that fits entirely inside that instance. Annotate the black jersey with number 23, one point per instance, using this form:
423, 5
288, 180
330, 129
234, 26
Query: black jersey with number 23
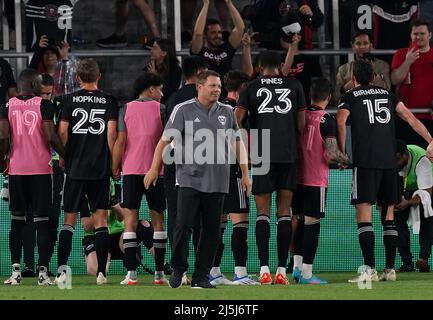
273, 103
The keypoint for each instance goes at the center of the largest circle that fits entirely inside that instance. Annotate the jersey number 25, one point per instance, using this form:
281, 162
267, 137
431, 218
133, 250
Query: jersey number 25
92, 119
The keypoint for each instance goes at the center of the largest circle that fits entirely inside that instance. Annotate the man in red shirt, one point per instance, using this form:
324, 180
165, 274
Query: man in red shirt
412, 72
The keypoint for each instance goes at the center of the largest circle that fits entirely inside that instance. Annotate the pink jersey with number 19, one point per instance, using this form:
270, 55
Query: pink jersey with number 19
30, 151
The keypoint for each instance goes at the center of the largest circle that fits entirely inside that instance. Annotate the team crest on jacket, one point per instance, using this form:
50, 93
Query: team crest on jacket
222, 120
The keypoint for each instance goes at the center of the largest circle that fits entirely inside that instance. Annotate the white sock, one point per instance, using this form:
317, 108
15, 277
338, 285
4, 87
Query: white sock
132, 275
215, 271
297, 262
264, 269
307, 271
16, 267
241, 271
281, 270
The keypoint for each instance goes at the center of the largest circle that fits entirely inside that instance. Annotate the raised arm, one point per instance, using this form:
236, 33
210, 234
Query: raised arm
288, 62
235, 37
246, 62
198, 35
415, 124
399, 74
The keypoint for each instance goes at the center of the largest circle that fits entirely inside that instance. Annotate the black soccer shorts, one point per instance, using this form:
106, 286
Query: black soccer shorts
309, 201
280, 176
31, 194
236, 201
97, 193
133, 190
374, 185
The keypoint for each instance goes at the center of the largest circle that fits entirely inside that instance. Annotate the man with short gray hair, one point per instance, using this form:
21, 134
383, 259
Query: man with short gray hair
204, 130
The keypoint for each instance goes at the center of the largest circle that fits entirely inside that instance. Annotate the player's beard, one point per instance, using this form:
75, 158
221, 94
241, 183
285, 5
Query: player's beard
217, 42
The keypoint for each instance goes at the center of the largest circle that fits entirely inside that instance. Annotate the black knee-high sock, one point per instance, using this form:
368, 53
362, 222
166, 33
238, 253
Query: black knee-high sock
15, 238
43, 240
366, 241
160, 245
29, 243
239, 243
390, 241
220, 249
65, 244
102, 243
298, 239
311, 241
53, 239
130, 246
263, 233
284, 235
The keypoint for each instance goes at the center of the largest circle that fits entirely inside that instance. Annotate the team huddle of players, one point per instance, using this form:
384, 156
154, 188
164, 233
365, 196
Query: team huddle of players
99, 142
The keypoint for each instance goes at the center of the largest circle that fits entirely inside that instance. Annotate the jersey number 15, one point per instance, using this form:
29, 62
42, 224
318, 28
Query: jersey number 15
374, 114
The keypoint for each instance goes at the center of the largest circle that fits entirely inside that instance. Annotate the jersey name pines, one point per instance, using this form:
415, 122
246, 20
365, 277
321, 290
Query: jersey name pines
91, 99
357, 93
271, 80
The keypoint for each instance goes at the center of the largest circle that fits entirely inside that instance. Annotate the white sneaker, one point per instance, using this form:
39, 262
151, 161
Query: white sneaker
160, 279
127, 281
388, 275
367, 275
44, 280
14, 280
185, 280
101, 279
218, 280
245, 281
61, 279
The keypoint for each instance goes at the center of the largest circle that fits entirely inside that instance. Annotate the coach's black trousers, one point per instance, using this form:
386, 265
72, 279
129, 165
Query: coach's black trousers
205, 210
171, 196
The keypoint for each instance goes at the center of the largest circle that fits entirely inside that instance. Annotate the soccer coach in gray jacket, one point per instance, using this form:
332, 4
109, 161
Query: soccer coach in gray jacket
204, 132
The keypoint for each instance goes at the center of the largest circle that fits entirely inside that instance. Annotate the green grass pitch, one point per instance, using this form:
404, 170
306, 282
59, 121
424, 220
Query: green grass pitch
416, 286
